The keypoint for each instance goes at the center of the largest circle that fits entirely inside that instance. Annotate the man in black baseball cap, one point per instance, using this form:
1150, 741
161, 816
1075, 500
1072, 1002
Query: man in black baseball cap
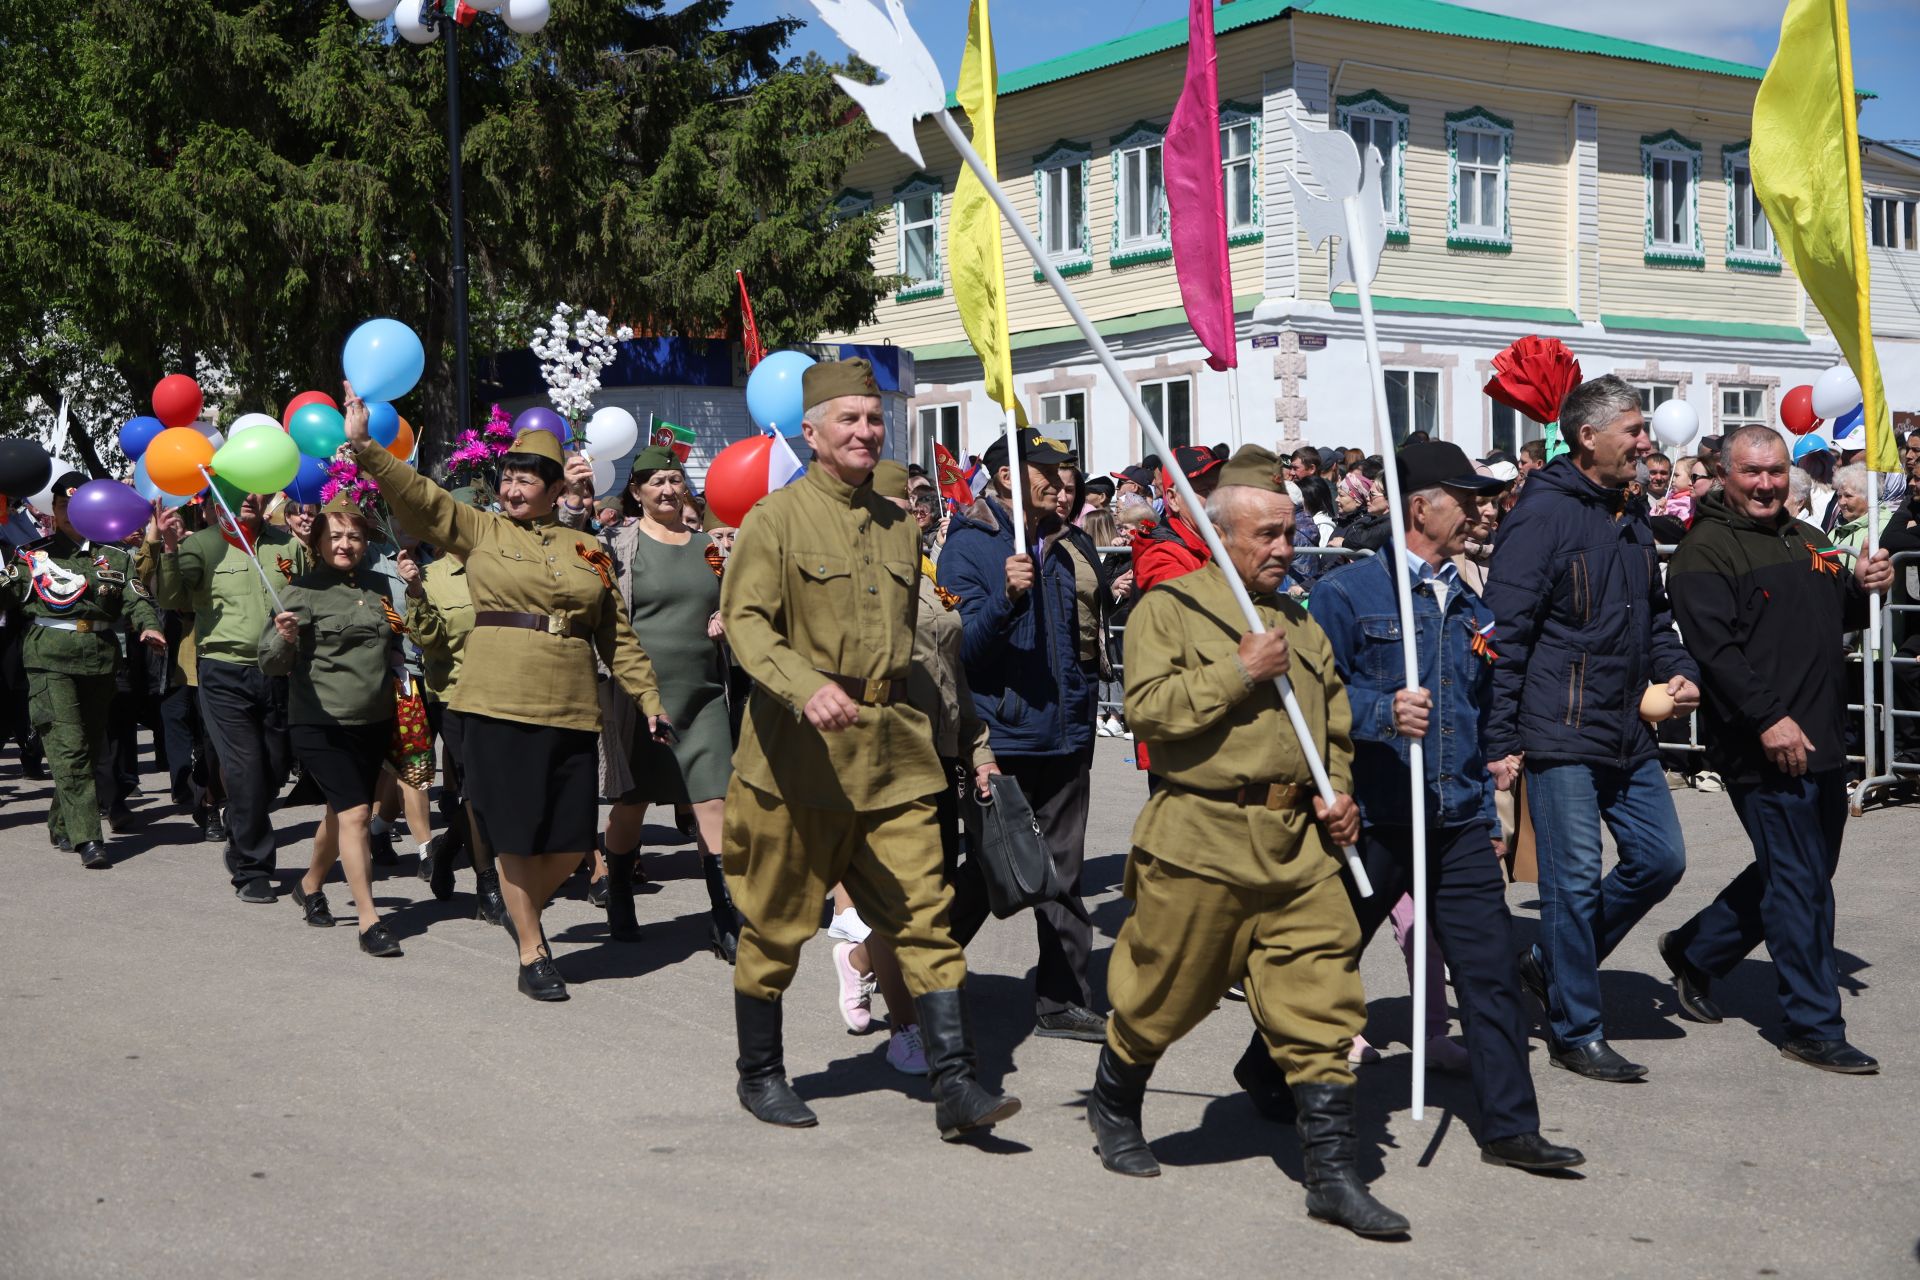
1137, 479
1441, 463
1035, 449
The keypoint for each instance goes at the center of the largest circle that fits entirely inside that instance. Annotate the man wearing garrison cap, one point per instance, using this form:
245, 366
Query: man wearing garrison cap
836, 773
1235, 869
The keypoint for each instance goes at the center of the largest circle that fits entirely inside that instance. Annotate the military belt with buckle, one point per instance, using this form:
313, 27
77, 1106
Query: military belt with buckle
878, 691
82, 625
554, 624
1255, 795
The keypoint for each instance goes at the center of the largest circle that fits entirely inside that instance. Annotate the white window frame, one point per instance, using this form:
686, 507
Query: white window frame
1381, 113
1409, 400
1763, 254
1485, 235
1235, 116
1655, 394
929, 421
920, 184
1056, 406
1154, 244
1049, 170
1892, 222
1157, 390
1679, 154
1758, 416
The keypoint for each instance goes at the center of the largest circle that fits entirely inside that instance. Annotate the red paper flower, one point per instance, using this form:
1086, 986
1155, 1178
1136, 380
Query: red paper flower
1533, 376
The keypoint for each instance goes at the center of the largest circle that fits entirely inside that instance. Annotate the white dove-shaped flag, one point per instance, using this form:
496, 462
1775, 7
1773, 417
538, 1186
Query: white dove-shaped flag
912, 87
1331, 158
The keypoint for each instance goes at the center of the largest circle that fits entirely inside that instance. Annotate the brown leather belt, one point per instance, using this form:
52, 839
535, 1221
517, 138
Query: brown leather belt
552, 623
1255, 795
877, 692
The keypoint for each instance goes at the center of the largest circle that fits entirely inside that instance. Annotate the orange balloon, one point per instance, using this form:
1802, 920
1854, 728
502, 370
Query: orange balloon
401, 448
174, 460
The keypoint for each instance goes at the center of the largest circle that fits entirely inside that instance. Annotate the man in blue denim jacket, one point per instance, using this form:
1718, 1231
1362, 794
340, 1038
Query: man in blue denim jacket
1358, 608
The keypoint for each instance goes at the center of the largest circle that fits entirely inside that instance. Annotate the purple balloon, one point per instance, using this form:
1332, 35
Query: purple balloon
107, 511
541, 418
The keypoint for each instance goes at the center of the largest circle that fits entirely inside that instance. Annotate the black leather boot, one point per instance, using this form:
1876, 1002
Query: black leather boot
723, 922
443, 849
492, 907
763, 1085
1265, 1083
621, 923
961, 1104
1113, 1113
1334, 1191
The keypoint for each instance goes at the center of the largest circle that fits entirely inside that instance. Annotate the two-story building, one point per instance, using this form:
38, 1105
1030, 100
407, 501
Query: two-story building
1536, 180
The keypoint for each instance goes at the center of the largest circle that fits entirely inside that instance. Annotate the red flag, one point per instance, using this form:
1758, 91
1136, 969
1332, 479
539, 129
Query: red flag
755, 351
1196, 200
953, 481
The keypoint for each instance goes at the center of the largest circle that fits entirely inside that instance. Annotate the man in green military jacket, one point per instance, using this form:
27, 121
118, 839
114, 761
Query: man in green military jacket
73, 592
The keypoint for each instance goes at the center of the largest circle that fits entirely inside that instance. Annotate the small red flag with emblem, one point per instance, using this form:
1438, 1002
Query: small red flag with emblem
953, 481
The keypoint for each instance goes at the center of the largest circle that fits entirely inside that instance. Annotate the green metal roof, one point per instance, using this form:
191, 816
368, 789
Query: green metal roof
1409, 15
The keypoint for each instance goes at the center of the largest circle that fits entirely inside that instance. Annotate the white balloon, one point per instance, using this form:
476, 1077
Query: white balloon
525, 16
605, 480
372, 10
43, 500
1835, 393
612, 432
248, 421
1675, 422
406, 19
206, 429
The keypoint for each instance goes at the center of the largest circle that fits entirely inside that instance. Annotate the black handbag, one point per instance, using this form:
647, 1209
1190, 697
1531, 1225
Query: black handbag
1014, 861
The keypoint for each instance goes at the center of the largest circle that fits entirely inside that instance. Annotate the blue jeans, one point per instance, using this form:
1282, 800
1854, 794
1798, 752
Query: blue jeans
1583, 917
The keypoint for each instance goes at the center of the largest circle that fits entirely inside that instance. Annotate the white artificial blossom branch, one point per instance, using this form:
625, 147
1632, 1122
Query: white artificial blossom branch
572, 355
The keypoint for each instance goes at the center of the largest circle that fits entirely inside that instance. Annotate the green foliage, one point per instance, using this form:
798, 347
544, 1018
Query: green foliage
228, 186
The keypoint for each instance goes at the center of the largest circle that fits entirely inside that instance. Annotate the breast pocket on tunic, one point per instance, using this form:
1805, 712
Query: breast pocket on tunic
828, 578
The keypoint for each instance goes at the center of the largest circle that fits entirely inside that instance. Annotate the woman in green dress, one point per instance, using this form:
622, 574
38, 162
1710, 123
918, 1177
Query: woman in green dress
668, 573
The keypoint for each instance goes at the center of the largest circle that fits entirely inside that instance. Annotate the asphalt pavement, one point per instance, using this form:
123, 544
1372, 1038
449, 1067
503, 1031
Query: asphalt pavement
195, 1087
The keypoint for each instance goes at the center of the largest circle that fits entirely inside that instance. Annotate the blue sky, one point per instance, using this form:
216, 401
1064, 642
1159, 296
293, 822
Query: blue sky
1886, 35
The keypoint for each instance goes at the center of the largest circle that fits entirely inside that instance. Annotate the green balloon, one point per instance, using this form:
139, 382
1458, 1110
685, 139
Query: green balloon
260, 461
317, 430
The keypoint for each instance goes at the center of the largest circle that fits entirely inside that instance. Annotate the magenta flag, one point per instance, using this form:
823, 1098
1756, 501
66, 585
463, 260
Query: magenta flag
1196, 199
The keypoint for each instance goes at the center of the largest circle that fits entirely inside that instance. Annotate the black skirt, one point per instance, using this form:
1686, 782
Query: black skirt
533, 788
342, 759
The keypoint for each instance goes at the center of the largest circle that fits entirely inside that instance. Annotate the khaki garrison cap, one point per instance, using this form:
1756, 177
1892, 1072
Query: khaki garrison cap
831, 379
1254, 467
541, 444
890, 479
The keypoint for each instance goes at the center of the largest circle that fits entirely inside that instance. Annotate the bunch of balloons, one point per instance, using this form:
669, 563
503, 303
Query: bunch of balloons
1832, 397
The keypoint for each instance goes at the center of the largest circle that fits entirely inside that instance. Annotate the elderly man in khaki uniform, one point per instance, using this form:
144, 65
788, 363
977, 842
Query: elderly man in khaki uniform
836, 774
1235, 868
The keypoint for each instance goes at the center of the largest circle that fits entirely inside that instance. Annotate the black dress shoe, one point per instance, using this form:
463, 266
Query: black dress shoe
1830, 1055
542, 981
1072, 1023
93, 856
255, 891
214, 830
1530, 1151
1533, 977
381, 848
1596, 1060
313, 906
378, 940
1690, 984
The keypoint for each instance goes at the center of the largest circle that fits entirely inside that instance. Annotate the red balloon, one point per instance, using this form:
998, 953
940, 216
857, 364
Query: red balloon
177, 400
737, 478
304, 399
1796, 411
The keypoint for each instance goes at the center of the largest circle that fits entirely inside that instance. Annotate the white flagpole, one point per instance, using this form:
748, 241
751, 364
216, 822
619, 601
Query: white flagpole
1195, 508
246, 543
1871, 640
1016, 475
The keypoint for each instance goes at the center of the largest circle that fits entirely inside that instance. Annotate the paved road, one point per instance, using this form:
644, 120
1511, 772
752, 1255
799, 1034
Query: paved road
194, 1087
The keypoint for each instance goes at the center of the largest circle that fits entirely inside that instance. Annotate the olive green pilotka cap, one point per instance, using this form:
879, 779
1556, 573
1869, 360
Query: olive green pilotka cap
656, 457
342, 505
831, 379
541, 444
1255, 467
890, 479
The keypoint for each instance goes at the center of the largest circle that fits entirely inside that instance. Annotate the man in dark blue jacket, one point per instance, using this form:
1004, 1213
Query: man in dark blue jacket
1584, 627
1020, 646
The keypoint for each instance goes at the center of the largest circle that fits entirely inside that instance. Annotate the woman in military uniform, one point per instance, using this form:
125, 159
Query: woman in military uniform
668, 578
336, 642
544, 605
72, 593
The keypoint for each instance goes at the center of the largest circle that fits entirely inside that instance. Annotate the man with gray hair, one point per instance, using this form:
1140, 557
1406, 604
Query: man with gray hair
1584, 626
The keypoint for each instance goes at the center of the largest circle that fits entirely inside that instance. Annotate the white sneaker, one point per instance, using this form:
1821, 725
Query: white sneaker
1676, 781
1106, 728
856, 990
1708, 782
906, 1054
847, 926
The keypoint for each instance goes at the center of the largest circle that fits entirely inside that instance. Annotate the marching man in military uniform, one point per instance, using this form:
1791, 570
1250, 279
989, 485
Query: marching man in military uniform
73, 593
836, 774
1235, 867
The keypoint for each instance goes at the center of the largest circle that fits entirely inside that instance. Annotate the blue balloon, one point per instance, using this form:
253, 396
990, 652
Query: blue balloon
138, 434
144, 486
1843, 426
383, 422
309, 480
383, 360
775, 397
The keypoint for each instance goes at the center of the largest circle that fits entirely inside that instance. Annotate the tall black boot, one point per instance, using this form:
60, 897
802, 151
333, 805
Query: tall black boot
1334, 1191
442, 850
763, 1084
723, 922
961, 1104
1265, 1083
492, 907
621, 924
1113, 1112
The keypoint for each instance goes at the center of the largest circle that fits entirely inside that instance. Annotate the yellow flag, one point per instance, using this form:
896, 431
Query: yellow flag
979, 271
1806, 170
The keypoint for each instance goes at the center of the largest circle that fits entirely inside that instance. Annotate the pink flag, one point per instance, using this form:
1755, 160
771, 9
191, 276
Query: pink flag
1196, 200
